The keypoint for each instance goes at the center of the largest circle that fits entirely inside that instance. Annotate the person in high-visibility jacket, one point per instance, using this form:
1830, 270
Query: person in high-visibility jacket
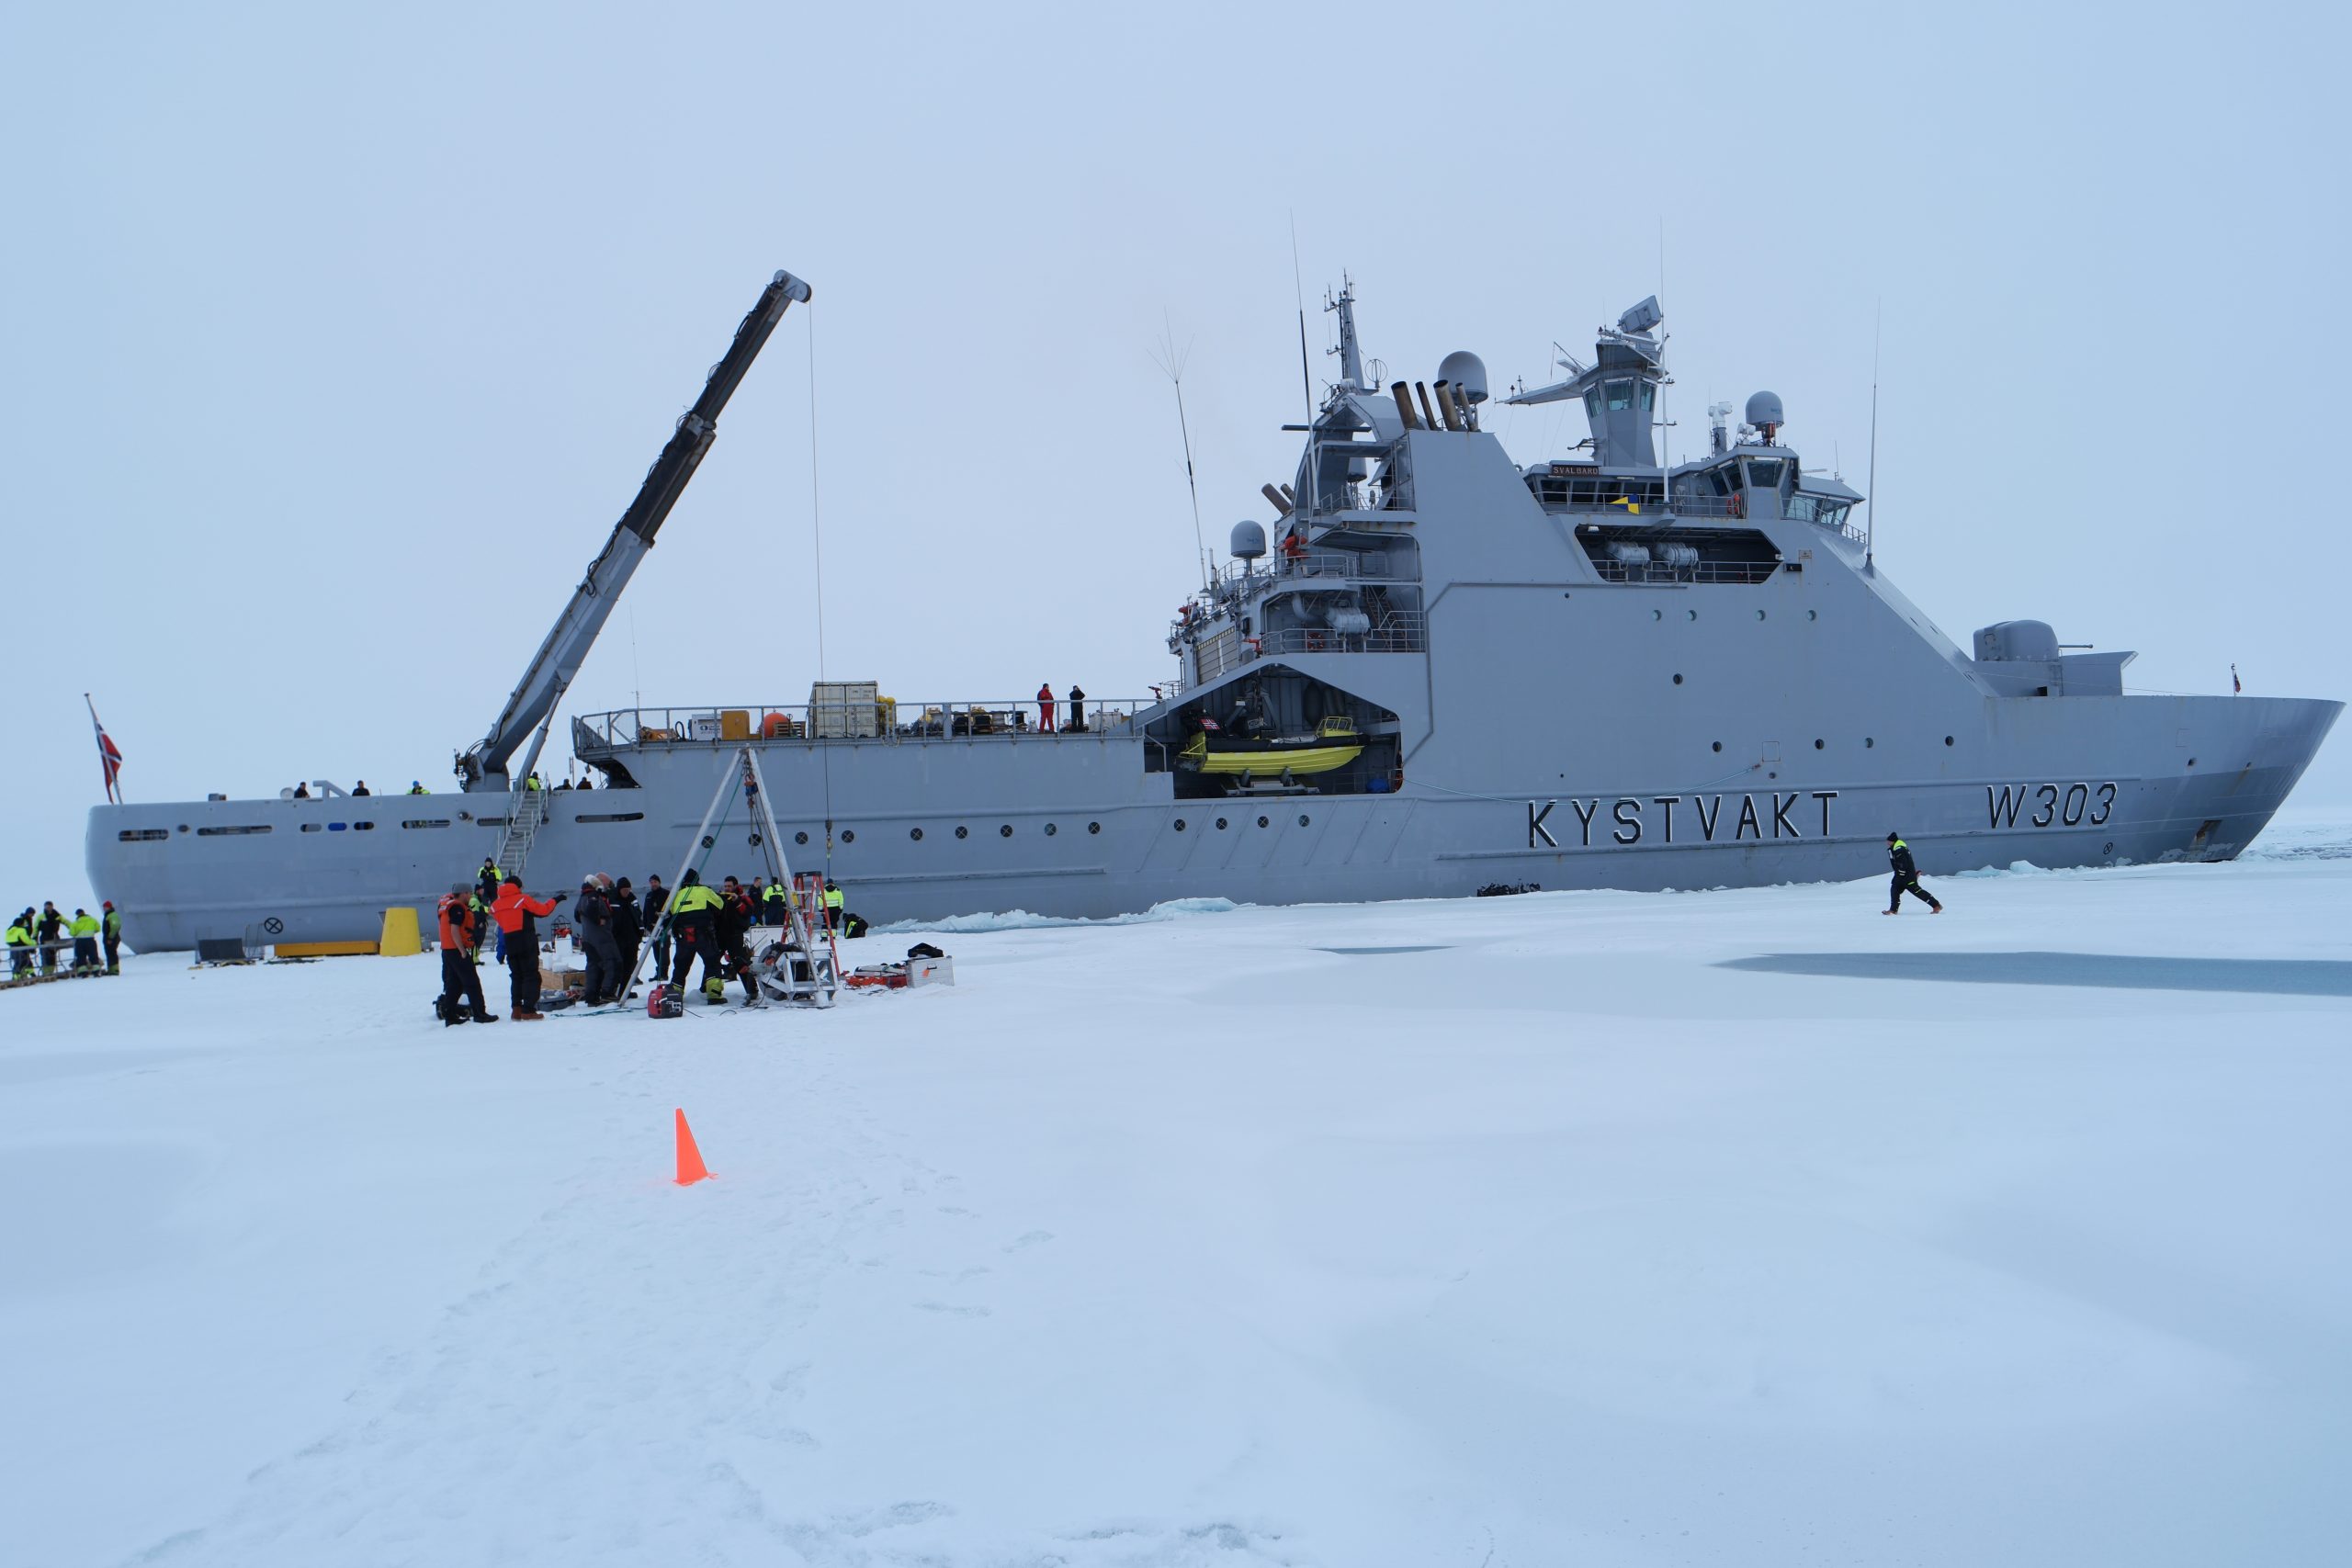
773, 899
85, 942
694, 919
463, 915
835, 900
112, 925
20, 946
518, 913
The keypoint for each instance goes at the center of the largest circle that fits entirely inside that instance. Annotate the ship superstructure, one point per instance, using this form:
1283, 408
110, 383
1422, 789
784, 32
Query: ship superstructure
1432, 671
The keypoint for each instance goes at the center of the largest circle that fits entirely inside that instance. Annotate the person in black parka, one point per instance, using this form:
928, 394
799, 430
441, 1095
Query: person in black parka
1907, 877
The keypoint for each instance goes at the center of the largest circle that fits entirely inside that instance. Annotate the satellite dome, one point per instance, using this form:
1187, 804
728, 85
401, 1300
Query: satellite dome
1466, 371
1764, 411
1248, 540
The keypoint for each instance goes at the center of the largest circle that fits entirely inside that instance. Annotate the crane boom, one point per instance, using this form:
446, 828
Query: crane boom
558, 658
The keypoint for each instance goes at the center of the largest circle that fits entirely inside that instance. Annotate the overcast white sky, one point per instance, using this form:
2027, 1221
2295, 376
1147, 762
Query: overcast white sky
332, 344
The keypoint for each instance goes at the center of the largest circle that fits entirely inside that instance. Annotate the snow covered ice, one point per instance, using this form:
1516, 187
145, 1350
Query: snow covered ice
1742, 1227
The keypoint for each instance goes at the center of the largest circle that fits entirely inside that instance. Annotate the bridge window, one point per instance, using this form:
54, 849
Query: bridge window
1764, 473
1621, 395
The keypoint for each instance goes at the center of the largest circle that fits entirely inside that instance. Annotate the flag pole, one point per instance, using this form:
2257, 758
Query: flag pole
109, 767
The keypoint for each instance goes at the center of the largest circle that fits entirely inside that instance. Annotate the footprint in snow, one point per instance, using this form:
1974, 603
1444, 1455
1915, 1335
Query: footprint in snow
1030, 1239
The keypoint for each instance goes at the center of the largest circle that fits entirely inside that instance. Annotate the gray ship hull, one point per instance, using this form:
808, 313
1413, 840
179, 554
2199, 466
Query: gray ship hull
1579, 675
2018, 787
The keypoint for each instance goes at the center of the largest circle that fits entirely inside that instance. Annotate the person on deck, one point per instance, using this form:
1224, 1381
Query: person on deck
361, 788
461, 924
518, 913
1077, 707
112, 928
1046, 707
491, 874
772, 903
1907, 877
20, 946
835, 900
302, 792
416, 786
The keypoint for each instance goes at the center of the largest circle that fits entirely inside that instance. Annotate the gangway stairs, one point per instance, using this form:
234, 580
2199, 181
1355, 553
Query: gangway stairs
527, 811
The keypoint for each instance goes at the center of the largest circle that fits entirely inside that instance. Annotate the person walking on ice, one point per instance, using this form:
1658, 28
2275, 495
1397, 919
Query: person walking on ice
1907, 877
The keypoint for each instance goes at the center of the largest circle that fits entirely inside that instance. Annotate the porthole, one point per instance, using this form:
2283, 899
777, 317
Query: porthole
755, 837
849, 835
1813, 615
1816, 745
1302, 819
796, 837
1719, 745
1262, 822
1691, 614
1220, 824
363, 826
1051, 829
1678, 680
1180, 824
1094, 827
1005, 832
1760, 614
1947, 740
916, 834
310, 827
1658, 614
1869, 742
962, 833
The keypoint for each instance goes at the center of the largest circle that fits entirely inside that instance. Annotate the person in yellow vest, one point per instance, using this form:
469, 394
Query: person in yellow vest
771, 902
835, 900
113, 925
20, 946
694, 919
416, 786
86, 942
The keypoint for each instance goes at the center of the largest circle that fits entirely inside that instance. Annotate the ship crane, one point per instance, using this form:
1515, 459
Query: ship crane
533, 703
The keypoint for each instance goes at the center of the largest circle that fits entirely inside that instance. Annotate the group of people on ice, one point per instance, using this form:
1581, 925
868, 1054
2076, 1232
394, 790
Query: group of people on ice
611, 924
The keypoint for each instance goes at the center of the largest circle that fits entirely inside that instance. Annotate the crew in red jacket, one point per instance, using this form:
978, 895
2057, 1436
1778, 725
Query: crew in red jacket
1045, 707
517, 913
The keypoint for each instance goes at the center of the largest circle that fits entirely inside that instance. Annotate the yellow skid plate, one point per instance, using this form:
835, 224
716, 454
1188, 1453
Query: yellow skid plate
326, 950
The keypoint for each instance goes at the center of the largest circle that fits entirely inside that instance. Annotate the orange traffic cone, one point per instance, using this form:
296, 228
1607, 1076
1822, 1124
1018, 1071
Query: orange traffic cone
689, 1167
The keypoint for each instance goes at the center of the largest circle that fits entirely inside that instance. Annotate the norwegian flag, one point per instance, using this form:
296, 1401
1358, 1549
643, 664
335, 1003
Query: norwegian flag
2237, 687
110, 754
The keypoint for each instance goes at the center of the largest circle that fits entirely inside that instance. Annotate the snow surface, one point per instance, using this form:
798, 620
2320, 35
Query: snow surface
1743, 1227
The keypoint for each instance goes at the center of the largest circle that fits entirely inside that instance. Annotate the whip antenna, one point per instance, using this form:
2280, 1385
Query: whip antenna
1869, 538
1298, 286
1172, 364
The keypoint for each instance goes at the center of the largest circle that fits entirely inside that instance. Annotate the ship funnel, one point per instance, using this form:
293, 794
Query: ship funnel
1249, 542
1422, 393
1404, 395
1445, 406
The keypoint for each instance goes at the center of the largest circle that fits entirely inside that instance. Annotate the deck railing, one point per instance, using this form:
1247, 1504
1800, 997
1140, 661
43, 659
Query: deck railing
885, 722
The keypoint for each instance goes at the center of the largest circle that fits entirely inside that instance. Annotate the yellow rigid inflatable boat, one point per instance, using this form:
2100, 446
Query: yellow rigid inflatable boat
1335, 743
